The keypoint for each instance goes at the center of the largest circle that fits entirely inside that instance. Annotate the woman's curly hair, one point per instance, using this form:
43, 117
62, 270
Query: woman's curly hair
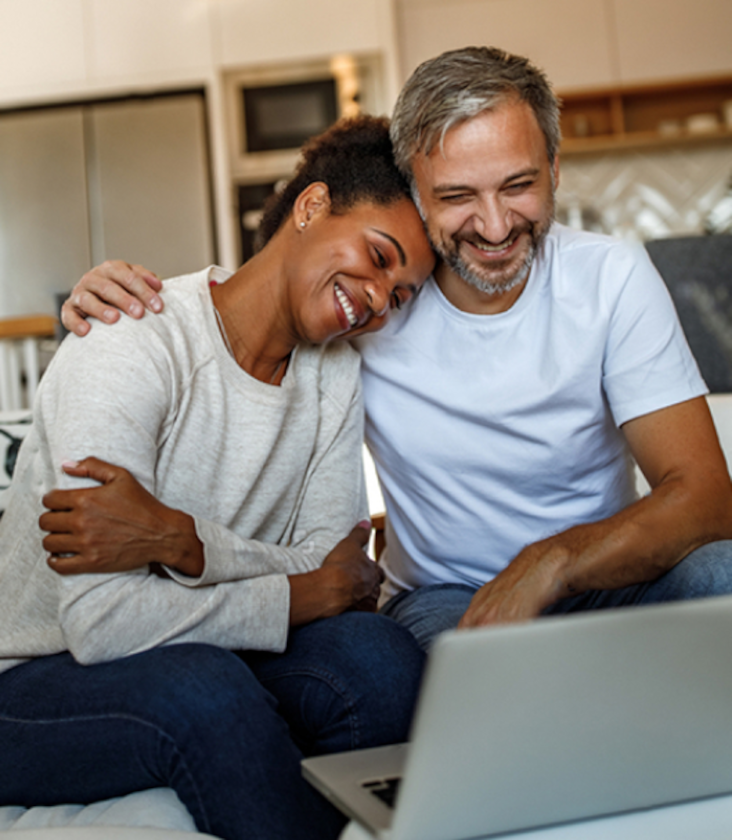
354, 158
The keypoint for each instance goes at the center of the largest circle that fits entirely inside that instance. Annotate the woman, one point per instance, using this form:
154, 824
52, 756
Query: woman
239, 407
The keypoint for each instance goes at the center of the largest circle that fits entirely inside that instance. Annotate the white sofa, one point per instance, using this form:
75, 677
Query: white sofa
161, 808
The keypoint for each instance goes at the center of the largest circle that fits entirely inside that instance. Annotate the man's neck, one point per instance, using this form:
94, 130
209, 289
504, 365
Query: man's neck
465, 297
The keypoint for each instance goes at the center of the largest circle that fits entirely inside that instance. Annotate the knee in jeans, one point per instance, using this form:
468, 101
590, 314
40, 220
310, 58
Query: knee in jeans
390, 666
201, 687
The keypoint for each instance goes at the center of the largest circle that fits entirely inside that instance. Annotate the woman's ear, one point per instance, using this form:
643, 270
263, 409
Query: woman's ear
313, 201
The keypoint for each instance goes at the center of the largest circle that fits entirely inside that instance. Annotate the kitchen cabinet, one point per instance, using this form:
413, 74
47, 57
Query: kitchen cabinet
44, 228
613, 118
81, 184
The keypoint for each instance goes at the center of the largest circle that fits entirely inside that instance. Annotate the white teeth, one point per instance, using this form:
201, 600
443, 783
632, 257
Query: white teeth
346, 305
493, 248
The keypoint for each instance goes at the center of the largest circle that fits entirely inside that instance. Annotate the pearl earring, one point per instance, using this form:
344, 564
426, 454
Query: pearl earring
302, 224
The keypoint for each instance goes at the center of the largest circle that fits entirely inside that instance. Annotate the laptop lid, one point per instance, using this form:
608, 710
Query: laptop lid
559, 719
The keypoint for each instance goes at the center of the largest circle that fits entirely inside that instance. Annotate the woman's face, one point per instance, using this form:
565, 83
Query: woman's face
353, 269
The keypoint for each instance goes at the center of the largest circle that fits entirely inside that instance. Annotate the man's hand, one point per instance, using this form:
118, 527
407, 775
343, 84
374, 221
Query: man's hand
531, 582
115, 527
690, 505
106, 290
348, 580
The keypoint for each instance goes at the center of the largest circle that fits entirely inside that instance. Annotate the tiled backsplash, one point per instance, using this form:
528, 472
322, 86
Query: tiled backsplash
648, 194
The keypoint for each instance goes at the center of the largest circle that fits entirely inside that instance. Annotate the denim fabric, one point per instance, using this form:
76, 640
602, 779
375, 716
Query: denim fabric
704, 573
211, 724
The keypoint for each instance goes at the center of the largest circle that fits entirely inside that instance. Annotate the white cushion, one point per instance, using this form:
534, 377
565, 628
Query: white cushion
155, 808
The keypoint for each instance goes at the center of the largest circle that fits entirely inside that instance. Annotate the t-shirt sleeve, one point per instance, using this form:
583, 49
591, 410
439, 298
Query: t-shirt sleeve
648, 364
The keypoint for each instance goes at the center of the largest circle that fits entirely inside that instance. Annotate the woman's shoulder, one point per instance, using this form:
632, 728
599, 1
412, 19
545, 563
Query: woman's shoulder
338, 368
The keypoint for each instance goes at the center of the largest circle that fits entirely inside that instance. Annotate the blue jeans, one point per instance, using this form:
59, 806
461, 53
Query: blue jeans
226, 731
706, 572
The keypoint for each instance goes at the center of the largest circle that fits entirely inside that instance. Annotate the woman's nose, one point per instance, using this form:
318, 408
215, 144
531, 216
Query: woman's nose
377, 297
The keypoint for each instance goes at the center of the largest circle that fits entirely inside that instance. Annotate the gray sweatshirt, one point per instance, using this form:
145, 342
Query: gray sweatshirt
272, 475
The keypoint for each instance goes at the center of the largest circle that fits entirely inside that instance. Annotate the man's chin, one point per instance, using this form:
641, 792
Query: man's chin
497, 279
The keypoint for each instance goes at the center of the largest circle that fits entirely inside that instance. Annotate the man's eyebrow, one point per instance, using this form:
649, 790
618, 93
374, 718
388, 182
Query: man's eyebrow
444, 188
395, 243
523, 174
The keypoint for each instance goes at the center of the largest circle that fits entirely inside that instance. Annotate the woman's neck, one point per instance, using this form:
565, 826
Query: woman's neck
251, 316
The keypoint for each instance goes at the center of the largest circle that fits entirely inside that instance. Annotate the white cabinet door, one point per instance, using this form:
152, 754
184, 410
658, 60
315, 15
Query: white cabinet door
44, 242
250, 32
672, 39
569, 39
148, 186
82, 184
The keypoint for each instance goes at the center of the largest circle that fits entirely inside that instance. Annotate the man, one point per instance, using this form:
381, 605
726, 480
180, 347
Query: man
504, 404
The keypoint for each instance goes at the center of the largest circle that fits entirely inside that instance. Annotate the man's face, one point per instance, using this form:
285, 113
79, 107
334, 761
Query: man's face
488, 197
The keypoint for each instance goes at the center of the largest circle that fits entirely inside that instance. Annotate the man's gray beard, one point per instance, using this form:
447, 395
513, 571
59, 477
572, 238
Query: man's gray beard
461, 268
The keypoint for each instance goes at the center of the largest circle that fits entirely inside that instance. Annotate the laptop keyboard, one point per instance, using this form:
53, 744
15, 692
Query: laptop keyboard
385, 789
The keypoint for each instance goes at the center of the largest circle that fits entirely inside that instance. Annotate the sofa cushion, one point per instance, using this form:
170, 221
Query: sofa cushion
155, 808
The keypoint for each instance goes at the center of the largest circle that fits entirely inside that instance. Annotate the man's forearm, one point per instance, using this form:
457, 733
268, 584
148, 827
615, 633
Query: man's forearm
638, 544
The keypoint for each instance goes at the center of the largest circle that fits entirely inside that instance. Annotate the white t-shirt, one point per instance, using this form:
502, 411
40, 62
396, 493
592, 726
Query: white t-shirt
490, 432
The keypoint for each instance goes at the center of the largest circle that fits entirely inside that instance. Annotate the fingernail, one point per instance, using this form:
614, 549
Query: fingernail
70, 464
109, 315
364, 523
136, 309
156, 304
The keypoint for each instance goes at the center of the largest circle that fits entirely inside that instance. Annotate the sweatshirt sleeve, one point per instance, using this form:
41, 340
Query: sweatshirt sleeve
335, 486
109, 395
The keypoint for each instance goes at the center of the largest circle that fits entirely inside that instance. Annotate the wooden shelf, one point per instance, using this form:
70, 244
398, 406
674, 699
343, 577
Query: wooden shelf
28, 326
616, 119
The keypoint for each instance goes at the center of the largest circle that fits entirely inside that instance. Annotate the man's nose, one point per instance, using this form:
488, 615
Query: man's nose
493, 220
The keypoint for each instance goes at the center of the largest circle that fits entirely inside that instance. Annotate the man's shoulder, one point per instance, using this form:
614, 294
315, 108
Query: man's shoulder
566, 240
568, 253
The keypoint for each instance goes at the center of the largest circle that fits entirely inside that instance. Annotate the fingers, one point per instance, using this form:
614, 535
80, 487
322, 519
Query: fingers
94, 468
71, 565
73, 322
108, 289
362, 532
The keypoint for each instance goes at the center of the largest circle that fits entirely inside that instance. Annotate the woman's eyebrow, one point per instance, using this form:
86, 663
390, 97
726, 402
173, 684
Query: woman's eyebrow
395, 243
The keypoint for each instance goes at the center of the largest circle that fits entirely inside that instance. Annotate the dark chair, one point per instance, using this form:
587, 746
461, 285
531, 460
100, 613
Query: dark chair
698, 273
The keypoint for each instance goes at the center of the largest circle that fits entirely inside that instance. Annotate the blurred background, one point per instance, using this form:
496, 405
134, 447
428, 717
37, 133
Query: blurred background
153, 130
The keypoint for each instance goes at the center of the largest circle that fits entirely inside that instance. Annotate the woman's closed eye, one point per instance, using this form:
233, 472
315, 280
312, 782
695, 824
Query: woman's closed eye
381, 260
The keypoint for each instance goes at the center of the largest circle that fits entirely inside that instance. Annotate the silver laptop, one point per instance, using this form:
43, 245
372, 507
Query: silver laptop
560, 719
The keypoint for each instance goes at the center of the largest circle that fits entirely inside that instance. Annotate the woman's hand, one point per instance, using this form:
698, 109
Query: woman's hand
348, 580
106, 290
115, 527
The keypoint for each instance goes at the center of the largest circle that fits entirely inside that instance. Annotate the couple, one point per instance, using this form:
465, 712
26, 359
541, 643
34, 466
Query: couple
501, 407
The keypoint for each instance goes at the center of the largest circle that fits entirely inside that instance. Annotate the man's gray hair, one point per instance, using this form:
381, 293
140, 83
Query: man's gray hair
459, 85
